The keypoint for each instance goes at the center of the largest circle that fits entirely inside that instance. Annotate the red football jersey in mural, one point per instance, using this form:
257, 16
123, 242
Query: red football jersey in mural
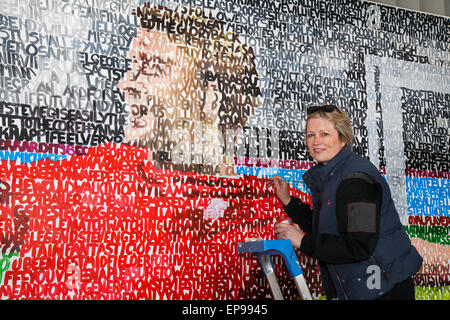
110, 225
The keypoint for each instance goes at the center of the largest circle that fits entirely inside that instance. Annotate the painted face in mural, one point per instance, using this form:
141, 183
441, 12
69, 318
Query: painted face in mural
154, 74
190, 90
169, 111
322, 139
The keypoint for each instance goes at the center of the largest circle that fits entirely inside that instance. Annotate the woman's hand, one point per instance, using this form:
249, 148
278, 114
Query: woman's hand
281, 189
291, 232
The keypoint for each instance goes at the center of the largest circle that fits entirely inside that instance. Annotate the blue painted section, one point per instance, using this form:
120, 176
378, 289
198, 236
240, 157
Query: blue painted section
428, 196
28, 157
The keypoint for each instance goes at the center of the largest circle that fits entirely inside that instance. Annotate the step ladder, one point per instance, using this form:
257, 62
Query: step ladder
264, 249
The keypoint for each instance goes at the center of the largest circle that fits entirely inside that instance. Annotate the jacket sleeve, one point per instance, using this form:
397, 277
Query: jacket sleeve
300, 213
358, 203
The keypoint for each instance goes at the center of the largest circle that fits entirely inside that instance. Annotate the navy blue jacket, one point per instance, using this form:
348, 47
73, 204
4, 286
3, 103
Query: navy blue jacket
393, 259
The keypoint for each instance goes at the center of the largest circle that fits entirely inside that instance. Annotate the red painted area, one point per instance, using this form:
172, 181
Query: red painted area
109, 225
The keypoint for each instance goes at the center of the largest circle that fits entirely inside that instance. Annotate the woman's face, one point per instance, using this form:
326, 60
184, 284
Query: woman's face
322, 139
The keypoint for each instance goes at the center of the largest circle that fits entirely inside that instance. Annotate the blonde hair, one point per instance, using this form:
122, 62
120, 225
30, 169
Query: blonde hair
341, 123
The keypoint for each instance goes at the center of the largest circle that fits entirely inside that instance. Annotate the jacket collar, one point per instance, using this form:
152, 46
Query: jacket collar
324, 172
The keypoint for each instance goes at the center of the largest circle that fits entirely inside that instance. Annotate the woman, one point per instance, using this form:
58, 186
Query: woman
354, 230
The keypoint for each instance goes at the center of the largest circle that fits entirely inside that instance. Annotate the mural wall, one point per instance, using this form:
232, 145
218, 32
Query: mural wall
136, 139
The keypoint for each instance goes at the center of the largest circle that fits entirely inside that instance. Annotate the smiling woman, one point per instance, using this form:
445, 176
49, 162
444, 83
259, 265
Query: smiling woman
354, 226
332, 125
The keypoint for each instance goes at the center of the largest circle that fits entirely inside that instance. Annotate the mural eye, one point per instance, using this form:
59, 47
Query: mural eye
132, 90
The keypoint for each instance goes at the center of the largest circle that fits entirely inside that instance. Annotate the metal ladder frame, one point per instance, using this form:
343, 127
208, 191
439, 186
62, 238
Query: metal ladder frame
264, 249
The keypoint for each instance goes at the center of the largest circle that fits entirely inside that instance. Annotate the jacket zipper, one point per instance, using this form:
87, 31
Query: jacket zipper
316, 188
340, 283
320, 207
388, 276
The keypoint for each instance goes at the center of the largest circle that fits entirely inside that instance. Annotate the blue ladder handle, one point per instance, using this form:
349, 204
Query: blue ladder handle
274, 247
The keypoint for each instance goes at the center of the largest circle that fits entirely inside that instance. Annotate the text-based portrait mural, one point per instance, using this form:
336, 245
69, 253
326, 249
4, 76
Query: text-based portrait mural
137, 138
